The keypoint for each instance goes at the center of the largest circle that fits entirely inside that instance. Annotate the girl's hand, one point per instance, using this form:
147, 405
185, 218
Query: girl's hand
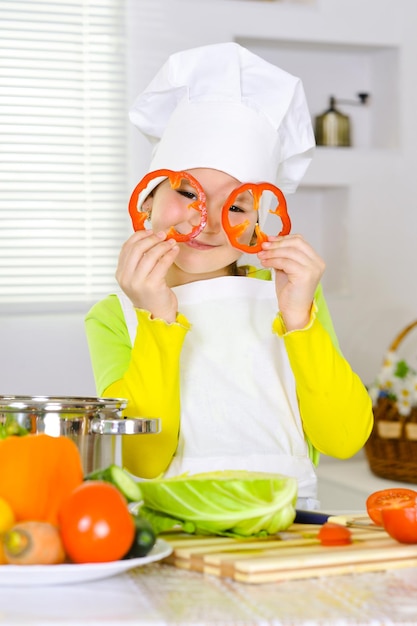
298, 270
144, 261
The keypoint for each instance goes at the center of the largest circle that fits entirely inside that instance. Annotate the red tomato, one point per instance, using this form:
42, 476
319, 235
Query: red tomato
401, 523
95, 523
331, 534
387, 499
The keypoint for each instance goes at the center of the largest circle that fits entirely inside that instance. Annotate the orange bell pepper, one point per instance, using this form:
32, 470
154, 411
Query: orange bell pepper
234, 232
139, 217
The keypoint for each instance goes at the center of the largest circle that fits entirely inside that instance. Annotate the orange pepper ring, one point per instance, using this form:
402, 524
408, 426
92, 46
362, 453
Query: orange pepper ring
233, 232
139, 217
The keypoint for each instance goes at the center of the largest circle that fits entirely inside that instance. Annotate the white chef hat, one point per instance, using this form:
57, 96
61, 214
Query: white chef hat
223, 107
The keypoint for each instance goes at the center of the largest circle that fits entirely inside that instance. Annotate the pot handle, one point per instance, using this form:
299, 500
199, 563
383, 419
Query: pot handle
125, 426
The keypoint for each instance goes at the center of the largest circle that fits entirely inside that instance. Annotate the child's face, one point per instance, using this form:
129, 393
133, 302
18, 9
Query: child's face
210, 251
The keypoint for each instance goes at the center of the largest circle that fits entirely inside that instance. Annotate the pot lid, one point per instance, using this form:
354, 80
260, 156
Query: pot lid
60, 403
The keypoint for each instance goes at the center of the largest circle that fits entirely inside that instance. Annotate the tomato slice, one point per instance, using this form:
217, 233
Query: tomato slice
332, 534
396, 497
401, 523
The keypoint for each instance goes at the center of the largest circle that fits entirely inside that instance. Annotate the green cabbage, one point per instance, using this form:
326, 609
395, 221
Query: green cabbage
236, 503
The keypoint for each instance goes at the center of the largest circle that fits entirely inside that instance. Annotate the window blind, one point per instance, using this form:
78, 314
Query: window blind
63, 154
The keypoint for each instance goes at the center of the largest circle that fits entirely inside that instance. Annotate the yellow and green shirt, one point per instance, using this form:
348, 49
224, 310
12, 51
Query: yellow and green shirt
152, 367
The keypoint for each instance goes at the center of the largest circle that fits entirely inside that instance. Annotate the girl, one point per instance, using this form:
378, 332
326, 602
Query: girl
244, 373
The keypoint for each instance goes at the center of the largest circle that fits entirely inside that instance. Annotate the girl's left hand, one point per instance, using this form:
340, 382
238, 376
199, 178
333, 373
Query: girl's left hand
298, 270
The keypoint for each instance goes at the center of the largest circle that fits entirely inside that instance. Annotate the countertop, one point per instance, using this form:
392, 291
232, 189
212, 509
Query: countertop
159, 594
347, 484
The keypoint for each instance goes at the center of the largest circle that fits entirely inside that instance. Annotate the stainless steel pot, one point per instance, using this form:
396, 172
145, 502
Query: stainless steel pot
92, 423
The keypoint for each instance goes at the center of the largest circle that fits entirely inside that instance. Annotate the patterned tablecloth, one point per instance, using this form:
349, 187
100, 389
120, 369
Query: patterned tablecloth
158, 594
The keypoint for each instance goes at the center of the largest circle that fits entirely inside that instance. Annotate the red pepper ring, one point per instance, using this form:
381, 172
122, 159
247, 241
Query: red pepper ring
139, 217
234, 232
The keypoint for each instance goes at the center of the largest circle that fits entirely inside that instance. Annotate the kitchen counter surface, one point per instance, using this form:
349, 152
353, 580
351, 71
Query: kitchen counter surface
347, 484
158, 594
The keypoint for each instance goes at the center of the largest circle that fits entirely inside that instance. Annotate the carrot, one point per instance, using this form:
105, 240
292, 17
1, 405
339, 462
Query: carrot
33, 543
2, 557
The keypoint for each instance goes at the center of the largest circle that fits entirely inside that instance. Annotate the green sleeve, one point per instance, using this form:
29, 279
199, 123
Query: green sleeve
108, 342
323, 315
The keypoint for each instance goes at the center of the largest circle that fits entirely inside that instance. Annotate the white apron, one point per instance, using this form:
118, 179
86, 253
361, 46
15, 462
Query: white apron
238, 401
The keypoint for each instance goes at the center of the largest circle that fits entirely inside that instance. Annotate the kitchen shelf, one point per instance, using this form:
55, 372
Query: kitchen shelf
335, 167
343, 70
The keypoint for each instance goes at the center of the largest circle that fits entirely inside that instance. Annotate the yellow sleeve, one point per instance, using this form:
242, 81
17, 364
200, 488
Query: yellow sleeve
153, 366
335, 407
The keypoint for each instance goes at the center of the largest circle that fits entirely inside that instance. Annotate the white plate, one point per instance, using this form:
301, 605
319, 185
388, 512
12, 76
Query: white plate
31, 575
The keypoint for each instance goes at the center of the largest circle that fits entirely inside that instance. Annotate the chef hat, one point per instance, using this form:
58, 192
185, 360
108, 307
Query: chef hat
223, 107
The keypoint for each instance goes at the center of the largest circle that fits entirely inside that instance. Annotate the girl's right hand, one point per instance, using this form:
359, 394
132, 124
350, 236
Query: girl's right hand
144, 261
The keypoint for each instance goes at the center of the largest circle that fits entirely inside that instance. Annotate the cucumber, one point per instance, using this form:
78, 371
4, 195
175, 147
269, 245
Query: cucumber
118, 477
144, 539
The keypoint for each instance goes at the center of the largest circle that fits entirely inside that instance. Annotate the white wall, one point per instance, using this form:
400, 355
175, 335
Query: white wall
44, 355
368, 238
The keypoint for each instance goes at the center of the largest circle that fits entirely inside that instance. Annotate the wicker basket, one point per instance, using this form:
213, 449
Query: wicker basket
391, 449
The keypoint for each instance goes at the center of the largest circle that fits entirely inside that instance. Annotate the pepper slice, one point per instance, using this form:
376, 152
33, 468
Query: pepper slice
235, 231
139, 217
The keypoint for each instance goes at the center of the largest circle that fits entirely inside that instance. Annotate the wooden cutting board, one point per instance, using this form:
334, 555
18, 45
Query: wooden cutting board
293, 554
